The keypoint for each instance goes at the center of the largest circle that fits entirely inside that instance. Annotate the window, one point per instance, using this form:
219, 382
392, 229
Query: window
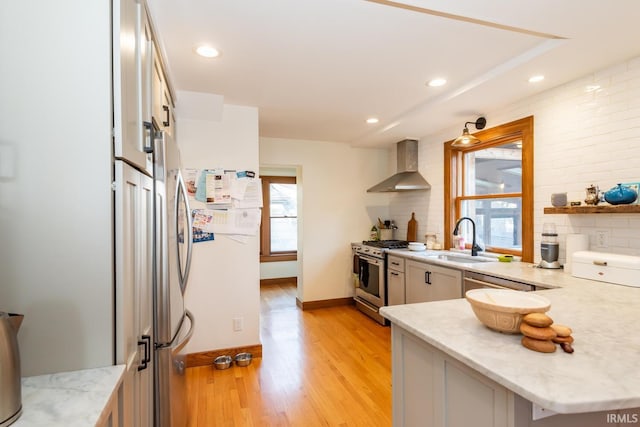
492, 183
279, 228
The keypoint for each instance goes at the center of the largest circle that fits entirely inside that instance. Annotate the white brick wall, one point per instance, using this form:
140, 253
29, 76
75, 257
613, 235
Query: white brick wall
582, 137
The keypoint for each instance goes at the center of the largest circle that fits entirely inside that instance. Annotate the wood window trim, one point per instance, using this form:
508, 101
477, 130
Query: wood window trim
453, 158
278, 257
265, 224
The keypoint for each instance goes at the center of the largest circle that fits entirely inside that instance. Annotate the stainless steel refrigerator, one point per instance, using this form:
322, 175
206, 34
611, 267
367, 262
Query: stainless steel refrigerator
173, 324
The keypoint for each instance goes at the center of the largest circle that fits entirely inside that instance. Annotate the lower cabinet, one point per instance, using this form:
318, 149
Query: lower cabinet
431, 389
395, 280
428, 282
133, 295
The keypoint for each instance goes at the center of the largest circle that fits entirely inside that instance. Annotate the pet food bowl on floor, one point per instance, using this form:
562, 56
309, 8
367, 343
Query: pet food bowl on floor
222, 362
243, 359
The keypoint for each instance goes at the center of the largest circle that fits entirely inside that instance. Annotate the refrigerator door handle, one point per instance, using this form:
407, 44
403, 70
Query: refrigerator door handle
179, 346
184, 276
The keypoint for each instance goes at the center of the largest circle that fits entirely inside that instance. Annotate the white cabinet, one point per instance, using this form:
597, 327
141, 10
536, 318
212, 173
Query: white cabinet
395, 280
428, 282
162, 108
145, 69
128, 131
134, 278
431, 389
137, 95
133, 133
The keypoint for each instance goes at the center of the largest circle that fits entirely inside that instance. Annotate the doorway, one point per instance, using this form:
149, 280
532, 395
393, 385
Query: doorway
280, 231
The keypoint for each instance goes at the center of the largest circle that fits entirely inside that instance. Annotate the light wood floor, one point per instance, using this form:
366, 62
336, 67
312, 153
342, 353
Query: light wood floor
324, 367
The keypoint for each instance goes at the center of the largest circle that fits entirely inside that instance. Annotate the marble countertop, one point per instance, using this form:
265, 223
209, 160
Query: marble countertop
521, 271
601, 374
68, 399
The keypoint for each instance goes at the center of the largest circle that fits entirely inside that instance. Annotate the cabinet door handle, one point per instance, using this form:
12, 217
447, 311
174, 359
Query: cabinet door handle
427, 277
167, 122
393, 273
146, 342
148, 130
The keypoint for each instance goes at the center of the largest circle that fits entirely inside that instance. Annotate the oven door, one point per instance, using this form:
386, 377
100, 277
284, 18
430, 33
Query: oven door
371, 281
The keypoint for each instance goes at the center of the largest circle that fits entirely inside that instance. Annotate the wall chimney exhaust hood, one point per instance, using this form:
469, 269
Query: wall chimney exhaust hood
407, 178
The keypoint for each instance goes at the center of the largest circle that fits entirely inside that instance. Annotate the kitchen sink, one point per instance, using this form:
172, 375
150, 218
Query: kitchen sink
464, 259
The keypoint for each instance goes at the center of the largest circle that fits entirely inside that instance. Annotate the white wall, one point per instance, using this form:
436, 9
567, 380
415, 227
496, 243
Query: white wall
278, 270
224, 279
582, 137
56, 263
336, 209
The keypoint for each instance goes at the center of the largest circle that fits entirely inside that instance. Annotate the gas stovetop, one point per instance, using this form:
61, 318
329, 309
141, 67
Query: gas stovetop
387, 244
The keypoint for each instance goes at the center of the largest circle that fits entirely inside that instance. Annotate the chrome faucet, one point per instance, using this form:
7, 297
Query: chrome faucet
474, 246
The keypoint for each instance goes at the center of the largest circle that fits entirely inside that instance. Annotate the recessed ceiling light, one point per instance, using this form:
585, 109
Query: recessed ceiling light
372, 120
207, 51
437, 82
536, 79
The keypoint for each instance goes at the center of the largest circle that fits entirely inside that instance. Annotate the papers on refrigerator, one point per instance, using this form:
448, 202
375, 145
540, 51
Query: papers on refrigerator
224, 189
233, 202
200, 221
214, 187
191, 179
247, 193
231, 221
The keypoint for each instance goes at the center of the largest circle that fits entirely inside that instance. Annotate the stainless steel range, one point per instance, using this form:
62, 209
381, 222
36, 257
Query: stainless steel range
371, 292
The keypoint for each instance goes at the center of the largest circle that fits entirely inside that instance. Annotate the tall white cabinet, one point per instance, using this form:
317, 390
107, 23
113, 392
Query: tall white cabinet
133, 213
135, 62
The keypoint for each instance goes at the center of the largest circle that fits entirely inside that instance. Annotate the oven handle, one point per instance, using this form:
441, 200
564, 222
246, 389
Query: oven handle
371, 260
485, 284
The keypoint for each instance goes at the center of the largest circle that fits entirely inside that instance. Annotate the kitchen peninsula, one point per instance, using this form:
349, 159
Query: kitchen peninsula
449, 369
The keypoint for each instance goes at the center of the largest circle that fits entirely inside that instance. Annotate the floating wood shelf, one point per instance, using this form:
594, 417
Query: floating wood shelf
609, 209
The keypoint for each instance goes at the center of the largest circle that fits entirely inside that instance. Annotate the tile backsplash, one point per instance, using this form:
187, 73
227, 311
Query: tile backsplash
586, 132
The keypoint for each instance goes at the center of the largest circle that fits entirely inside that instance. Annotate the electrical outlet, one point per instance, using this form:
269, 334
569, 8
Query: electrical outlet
238, 324
602, 239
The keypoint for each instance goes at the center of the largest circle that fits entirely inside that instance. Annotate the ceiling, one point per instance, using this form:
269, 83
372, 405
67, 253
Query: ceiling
317, 69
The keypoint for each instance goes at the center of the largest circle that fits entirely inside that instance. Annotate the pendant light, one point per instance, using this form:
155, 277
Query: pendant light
466, 139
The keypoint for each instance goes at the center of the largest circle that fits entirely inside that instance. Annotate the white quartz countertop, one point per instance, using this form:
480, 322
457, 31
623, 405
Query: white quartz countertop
602, 373
68, 399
